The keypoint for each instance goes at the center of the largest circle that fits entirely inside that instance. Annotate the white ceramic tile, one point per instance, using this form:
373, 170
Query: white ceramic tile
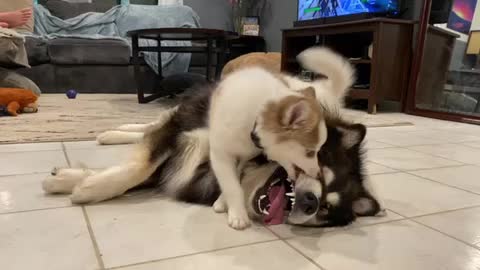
24, 192
395, 246
402, 139
274, 255
465, 177
410, 128
405, 159
373, 168
446, 136
30, 147
82, 145
475, 144
410, 195
100, 157
457, 152
130, 232
462, 128
55, 239
289, 231
372, 144
30, 162
462, 224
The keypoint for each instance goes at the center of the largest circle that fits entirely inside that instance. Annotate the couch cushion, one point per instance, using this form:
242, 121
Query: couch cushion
37, 50
66, 10
78, 51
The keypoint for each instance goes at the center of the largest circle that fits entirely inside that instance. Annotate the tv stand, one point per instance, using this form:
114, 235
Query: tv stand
385, 73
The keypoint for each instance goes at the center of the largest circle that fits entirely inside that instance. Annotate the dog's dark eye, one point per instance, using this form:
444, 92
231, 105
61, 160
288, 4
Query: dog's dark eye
310, 153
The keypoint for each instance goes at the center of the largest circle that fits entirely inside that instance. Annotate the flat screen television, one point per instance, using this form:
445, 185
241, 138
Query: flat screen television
326, 11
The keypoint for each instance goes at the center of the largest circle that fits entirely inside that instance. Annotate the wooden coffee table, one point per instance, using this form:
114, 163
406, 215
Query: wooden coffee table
216, 42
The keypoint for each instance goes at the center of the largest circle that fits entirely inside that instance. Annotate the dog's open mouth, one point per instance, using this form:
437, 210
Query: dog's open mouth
276, 198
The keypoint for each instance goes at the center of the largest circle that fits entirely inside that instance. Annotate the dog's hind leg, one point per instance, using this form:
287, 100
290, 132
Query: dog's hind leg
133, 133
119, 137
162, 119
155, 148
116, 180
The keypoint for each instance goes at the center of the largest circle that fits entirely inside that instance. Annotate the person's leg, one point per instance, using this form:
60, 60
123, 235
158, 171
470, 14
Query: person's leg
16, 18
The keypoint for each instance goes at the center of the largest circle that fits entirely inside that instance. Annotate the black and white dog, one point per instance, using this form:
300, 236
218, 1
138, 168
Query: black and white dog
172, 156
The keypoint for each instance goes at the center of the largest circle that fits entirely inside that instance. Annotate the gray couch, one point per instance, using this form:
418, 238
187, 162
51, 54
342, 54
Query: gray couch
91, 66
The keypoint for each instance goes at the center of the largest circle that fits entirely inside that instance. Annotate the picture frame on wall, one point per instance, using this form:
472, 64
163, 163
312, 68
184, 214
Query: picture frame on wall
461, 15
250, 26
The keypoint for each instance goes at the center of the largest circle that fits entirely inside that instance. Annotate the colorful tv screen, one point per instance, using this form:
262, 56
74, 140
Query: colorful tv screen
317, 9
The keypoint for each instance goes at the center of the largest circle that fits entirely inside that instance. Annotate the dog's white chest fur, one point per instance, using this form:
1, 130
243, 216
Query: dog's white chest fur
235, 108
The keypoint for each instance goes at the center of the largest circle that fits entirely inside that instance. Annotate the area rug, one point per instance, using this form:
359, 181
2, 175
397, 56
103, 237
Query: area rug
63, 119
83, 118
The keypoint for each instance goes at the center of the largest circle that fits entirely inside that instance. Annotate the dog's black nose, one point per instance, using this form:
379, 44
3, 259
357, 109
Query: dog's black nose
308, 203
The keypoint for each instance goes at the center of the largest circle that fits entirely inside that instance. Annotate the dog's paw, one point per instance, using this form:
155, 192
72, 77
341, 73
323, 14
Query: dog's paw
131, 127
92, 190
63, 180
382, 213
54, 184
238, 220
109, 137
84, 194
219, 206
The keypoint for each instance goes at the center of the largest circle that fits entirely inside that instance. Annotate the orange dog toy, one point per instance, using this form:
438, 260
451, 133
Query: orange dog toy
18, 100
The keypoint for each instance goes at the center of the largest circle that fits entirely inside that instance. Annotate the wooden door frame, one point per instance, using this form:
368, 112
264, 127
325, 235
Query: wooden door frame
418, 55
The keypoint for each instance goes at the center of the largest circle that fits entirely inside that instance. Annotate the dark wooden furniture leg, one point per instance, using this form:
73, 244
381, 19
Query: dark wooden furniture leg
209, 59
136, 69
221, 55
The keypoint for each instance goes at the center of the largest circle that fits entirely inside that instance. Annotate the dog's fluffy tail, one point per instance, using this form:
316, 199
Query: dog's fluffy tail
324, 61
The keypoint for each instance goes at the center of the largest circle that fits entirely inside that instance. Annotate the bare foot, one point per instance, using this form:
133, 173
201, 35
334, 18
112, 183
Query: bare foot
4, 24
16, 18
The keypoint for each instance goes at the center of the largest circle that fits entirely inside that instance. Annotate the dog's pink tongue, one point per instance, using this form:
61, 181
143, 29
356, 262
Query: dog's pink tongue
277, 205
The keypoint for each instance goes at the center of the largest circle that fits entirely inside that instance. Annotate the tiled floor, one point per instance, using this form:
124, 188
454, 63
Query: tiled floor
427, 174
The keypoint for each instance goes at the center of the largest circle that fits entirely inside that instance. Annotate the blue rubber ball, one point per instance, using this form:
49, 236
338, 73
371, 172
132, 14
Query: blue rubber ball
71, 94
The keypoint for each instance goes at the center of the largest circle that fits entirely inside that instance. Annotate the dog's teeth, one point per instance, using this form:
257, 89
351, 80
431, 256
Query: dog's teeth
263, 197
275, 182
290, 194
292, 199
265, 212
289, 180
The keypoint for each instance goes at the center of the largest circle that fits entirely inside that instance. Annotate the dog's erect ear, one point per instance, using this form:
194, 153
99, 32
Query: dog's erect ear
352, 134
366, 206
296, 115
308, 92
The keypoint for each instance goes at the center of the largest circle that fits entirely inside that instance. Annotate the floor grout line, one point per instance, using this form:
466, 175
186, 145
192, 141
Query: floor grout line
64, 149
444, 212
295, 249
447, 235
23, 174
39, 209
434, 155
443, 184
192, 254
303, 255
96, 249
436, 168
